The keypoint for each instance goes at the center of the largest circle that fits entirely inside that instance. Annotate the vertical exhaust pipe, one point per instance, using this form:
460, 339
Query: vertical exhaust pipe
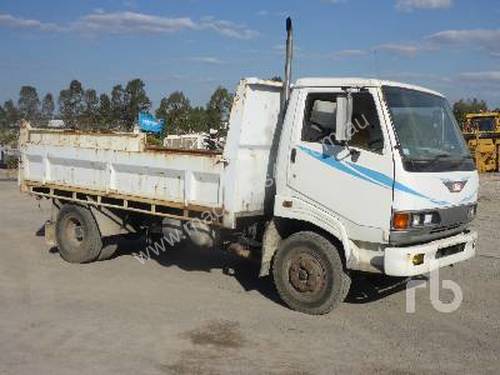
288, 66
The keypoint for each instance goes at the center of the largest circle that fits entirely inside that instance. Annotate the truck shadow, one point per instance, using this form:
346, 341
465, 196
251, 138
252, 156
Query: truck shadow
365, 288
191, 258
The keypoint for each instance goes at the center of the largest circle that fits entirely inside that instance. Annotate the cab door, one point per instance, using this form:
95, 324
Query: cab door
353, 182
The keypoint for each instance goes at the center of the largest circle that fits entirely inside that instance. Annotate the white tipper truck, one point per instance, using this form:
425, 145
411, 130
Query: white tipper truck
316, 179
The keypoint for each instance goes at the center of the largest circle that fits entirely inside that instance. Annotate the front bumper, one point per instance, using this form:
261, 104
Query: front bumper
398, 261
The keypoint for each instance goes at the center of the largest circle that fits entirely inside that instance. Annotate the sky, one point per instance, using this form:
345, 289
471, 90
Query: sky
452, 46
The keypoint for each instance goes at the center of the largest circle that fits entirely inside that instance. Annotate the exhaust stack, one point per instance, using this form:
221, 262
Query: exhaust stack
288, 66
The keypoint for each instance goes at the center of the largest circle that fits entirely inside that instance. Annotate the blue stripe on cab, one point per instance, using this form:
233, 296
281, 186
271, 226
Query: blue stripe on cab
367, 174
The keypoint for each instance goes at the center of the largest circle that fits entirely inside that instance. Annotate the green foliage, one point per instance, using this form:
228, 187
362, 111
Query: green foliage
8, 137
71, 105
118, 107
29, 104
463, 107
136, 101
175, 111
198, 120
90, 111
84, 109
3, 118
154, 140
11, 114
11, 162
218, 109
48, 107
104, 112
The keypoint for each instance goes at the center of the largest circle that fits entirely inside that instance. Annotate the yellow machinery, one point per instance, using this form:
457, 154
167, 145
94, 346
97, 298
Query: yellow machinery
482, 133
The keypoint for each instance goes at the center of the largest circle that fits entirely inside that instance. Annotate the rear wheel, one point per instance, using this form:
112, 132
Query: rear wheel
78, 236
309, 274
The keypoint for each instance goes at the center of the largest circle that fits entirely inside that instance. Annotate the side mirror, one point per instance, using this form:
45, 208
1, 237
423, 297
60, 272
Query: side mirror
344, 131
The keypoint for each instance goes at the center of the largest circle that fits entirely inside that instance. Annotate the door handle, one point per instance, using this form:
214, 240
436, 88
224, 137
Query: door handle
293, 155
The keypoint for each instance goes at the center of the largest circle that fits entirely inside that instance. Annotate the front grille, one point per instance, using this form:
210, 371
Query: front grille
451, 250
445, 229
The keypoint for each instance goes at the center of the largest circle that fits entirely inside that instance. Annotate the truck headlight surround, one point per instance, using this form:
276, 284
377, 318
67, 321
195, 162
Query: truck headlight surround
414, 220
472, 212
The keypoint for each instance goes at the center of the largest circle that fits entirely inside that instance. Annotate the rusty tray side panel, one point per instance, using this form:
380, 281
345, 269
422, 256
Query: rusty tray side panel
119, 164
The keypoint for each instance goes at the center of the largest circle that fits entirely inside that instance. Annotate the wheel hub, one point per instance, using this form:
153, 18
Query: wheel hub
74, 231
306, 274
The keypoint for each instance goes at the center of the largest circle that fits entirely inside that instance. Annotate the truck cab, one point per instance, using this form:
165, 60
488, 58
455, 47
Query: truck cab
399, 192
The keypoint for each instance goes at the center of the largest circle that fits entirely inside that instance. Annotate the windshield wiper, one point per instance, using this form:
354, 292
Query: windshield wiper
431, 161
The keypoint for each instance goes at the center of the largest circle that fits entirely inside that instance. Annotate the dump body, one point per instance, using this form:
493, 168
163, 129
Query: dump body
122, 170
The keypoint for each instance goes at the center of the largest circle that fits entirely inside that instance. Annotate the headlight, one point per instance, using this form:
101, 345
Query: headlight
410, 220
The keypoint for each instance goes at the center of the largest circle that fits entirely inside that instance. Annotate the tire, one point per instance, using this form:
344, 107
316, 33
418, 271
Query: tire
78, 236
309, 274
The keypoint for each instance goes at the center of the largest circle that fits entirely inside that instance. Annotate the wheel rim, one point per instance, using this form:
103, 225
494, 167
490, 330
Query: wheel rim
74, 232
306, 274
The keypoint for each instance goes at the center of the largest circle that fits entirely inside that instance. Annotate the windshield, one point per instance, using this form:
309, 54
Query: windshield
428, 134
485, 124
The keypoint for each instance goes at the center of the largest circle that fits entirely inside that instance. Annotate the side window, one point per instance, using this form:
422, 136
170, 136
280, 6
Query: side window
367, 131
320, 117
320, 121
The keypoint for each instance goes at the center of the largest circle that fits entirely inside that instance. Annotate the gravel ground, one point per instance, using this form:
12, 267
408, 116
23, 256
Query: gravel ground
181, 314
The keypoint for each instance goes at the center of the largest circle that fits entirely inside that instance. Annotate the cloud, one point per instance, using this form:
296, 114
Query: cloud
346, 53
10, 21
227, 28
485, 77
128, 22
265, 13
484, 38
131, 22
406, 50
207, 60
409, 5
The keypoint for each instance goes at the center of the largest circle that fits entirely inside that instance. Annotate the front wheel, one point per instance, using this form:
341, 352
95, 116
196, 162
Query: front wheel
309, 274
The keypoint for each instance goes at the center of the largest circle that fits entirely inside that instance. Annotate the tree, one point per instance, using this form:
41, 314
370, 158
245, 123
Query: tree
218, 109
48, 107
175, 111
105, 114
136, 101
90, 112
198, 121
11, 114
463, 107
118, 107
29, 104
71, 104
3, 118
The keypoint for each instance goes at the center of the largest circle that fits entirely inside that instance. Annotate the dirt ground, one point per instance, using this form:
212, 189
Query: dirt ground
181, 314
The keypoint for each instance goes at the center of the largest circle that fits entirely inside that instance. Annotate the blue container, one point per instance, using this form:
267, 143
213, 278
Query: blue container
150, 124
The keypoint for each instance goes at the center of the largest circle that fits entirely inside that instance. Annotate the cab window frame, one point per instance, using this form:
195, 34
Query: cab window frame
312, 96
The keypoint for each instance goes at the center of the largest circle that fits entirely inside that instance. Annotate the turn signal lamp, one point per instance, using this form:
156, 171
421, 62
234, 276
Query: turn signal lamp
401, 221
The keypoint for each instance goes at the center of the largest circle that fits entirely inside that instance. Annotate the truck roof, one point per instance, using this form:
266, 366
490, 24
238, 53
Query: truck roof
358, 82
